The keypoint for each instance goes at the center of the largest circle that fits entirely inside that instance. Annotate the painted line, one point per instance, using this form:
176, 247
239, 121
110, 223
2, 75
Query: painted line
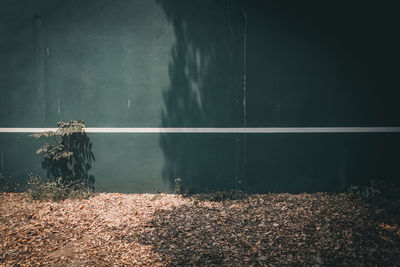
263, 130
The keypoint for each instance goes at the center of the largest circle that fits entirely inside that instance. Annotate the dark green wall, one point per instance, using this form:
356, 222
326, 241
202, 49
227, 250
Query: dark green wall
317, 63
181, 64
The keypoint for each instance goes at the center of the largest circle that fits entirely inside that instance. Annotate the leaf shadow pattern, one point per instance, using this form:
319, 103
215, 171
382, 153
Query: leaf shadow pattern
204, 91
285, 49
278, 229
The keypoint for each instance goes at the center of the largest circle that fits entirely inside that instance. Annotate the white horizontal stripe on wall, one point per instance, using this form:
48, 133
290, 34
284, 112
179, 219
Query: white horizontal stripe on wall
249, 130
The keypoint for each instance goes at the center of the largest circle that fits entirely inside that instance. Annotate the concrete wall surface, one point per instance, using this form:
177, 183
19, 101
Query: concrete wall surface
206, 64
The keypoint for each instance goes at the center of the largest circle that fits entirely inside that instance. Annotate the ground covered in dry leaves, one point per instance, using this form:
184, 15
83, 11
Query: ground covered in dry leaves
164, 230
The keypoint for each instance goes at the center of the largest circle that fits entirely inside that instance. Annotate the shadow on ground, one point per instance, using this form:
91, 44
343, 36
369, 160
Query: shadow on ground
280, 229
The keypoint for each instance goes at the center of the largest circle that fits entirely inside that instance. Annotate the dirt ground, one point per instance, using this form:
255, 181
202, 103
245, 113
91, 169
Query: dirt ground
169, 230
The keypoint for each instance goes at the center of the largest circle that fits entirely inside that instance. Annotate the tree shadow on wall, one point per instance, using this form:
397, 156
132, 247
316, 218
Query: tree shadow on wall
204, 91
289, 84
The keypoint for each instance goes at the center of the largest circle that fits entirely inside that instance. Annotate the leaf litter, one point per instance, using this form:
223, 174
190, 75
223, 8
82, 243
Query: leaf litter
113, 229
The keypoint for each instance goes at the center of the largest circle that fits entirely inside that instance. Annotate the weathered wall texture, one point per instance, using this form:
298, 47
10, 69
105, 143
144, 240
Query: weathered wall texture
147, 63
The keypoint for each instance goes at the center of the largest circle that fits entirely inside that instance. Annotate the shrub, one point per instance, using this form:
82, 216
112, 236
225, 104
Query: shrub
68, 158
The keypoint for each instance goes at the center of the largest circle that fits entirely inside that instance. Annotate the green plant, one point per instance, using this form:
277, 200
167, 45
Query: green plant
68, 158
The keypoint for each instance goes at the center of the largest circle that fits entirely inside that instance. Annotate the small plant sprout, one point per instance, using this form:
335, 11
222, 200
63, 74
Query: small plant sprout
178, 186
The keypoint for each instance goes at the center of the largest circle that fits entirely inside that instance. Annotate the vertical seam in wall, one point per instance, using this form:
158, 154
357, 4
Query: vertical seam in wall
244, 92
